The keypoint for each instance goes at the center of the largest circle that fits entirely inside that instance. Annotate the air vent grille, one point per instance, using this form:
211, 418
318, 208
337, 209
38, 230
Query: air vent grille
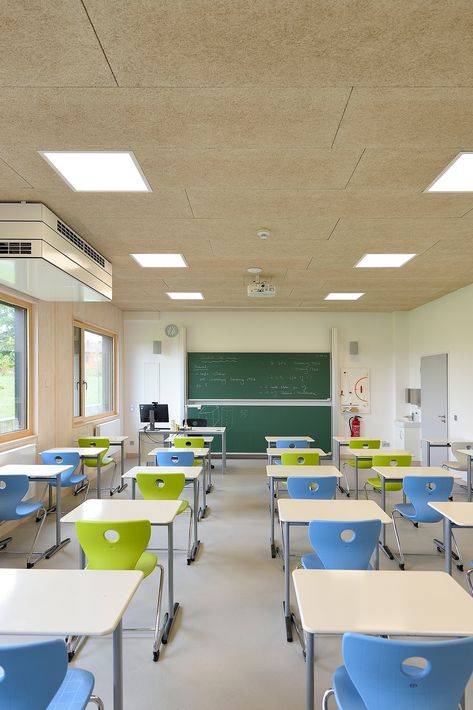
80, 243
15, 248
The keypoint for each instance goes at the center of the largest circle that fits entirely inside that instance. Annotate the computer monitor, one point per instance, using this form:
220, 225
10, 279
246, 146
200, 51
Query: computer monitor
154, 413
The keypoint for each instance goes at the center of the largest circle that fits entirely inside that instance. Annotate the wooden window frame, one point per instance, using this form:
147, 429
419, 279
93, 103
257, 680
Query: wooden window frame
81, 419
23, 433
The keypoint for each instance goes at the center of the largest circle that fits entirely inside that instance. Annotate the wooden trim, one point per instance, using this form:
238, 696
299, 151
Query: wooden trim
23, 433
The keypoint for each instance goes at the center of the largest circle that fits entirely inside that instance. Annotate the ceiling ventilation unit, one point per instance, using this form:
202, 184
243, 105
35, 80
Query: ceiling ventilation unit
43, 257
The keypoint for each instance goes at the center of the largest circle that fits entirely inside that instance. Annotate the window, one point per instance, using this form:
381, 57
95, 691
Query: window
14, 369
94, 372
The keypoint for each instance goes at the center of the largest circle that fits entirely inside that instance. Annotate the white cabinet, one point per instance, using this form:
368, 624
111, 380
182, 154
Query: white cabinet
407, 437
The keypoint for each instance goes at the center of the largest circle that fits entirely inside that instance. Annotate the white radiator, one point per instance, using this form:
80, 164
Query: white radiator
22, 454
109, 429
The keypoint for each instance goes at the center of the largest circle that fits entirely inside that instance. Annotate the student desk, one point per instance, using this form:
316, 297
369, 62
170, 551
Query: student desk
469, 454
340, 441
158, 512
455, 515
301, 512
220, 431
396, 474
272, 453
192, 474
391, 603
271, 440
60, 602
169, 440
120, 442
198, 454
280, 473
433, 444
37, 473
92, 452
367, 454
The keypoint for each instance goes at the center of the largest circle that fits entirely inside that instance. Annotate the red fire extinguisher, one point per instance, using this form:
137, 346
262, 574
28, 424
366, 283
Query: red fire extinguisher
355, 425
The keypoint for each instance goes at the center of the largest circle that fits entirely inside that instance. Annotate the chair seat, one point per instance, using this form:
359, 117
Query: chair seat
146, 563
406, 509
313, 561
73, 481
376, 483
28, 508
361, 464
92, 463
74, 692
346, 694
184, 505
454, 465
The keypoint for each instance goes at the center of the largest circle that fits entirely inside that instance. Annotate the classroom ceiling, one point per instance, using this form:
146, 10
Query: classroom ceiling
322, 121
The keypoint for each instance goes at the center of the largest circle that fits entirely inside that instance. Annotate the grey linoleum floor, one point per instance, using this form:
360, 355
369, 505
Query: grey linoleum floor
228, 649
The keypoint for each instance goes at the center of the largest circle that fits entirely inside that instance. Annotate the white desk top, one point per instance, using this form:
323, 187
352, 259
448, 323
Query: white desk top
91, 452
459, 513
346, 439
205, 429
399, 472
198, 453
272, 451
285, 438
406, 603
190, 472
437, 442
158, 512
114, 440
169, 439
292, 510
285, 471
33, 470
467, 452
58, 602
369, 453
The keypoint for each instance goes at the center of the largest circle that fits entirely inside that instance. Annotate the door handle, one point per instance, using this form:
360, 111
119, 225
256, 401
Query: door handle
443, 417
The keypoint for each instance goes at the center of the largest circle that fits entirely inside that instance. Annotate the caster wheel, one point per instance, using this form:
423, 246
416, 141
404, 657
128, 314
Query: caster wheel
416, 525
189, 561
401, 566
455, 556
29, 565
460, 567
155, 656
70, 656
439, 549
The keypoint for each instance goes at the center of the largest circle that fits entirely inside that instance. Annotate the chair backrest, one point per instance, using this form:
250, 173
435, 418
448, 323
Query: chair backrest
394, 460
12, 490
91, 443
344, 545
113, 545
161, 486
189, 442
174, 458
62, 458
190, 421
434, 678
32, 674
318, 487
291, 444
422, 490
461, 458
364, 444
311, 458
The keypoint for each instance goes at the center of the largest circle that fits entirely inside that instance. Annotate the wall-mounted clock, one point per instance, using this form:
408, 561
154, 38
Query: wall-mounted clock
171, 330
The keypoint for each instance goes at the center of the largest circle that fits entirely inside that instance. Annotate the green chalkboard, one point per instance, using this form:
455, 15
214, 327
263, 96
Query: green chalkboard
246, 376
247, 425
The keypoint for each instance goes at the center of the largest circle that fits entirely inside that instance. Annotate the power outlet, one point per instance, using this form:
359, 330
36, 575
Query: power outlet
455, 417
132, 443
386, 443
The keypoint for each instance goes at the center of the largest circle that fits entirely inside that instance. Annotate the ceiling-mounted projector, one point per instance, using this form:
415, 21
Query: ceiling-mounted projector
261, 289
40, 255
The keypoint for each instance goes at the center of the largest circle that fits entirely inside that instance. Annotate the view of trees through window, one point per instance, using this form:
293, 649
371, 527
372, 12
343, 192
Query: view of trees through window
13, 368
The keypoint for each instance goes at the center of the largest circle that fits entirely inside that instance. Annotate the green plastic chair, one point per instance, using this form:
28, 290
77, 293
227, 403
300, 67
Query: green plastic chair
122, 546
311, 458
191, 442
360, 444
166, 486
395, 460
105, 460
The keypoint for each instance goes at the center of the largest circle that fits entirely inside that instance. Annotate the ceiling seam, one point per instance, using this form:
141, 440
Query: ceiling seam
342, 116
190, 206
467, 212
100, 43
356, 166
333, 230
17, 173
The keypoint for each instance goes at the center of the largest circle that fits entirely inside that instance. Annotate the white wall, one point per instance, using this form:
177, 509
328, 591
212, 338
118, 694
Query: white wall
256, 332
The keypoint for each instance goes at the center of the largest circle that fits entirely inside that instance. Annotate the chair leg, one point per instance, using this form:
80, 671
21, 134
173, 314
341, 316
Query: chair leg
112, 480
346, 480
158, 632
365, 489
396, 535
46, 489
458, 553
189, 544
5, 542
328, 693
86, 486
95, 699
29, 562
469, 583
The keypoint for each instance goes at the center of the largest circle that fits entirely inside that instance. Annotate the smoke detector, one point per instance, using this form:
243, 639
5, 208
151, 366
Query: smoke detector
254, 270
263, 233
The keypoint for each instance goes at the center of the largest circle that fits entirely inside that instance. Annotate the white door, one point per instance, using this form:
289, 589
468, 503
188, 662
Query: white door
434, 404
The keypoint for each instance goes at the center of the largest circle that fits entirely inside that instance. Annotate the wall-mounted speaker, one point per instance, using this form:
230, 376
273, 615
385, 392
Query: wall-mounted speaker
354, 347
156, 347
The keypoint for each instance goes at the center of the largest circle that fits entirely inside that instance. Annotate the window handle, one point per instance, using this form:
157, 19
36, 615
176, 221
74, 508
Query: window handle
84, 383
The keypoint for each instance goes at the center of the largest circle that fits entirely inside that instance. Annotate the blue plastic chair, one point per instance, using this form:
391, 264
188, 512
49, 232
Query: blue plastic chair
69, 478
175, 457
12, 507
342, 545
312, 488
421, 491
376, 675
36, 676
289, 444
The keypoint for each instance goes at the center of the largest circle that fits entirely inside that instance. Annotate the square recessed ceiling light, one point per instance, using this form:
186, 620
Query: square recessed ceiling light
457, 176
163, 261
377, 261
98, 171
343, 296
183, 296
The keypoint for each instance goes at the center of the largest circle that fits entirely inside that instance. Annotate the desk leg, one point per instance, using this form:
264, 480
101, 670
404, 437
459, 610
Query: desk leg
118, 667
427, 452
73, 642
469, 478
271, 513
203, 510
99, 490
59, 543
121, 487
356, 477
209, 459
195, 546
139, 448
224, 450
173, 606
384, 547
447, 541
309, 659
287, 582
